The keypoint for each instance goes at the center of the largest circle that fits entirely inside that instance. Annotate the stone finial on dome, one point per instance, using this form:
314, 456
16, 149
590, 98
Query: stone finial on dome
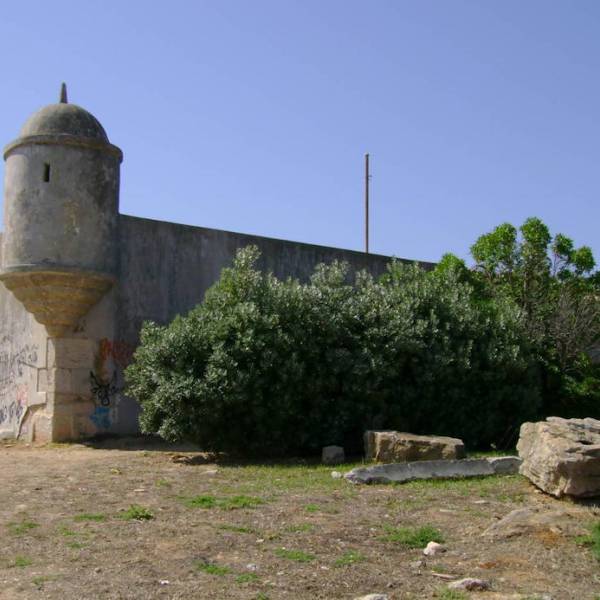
63, 93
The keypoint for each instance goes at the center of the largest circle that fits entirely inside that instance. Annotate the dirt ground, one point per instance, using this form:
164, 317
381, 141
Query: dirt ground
259, 532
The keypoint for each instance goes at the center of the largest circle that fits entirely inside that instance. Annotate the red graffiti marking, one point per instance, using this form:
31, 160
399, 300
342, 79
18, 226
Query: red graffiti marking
121, 352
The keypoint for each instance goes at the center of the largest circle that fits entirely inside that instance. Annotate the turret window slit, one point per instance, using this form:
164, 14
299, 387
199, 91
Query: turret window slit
46, 172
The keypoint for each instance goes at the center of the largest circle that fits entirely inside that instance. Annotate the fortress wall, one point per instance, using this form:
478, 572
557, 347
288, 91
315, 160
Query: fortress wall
166, 268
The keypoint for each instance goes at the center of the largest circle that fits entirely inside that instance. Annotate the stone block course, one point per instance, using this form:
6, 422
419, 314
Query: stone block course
71, 353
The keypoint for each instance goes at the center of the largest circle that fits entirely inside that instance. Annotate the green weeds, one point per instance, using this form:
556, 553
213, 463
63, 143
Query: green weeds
41, 579
349, 558
22, 528
75, 545
301, 528
247, 578
90, 517
412, 537
63, 530
592, 540
136, 513
225, 503
296, 555
213, 569
448, 594
21, 562
236, 528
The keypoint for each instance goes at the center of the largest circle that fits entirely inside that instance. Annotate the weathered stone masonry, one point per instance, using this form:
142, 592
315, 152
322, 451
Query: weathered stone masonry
79, 278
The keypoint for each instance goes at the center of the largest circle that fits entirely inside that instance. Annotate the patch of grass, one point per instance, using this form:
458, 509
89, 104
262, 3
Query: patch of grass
136, 513
213, 569
240, 502
297, 555
200, 502
41, 579
75, 545
90, 517
300, 528
287, 476
236, 528
163, 483
63, 530
311, 508
349, 558
22, 528
247, 578
440, 569
592, 540
448, 594
261, 596
22, 562
227, 503
412, 537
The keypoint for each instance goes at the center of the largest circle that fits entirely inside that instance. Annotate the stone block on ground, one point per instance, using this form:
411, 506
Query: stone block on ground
332, 455
562, 456
396, 446
505, 465
431, 469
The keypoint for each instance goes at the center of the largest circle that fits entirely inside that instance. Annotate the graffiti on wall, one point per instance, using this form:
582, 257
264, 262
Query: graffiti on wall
14, 364
105, 387
103, 391
15, 367
119, 351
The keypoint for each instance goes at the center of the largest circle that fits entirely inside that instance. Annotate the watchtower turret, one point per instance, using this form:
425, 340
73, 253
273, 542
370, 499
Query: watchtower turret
61, 202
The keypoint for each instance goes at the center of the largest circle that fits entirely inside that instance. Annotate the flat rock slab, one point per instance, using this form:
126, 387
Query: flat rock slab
434, 469
397, 446
530, 520
562, 456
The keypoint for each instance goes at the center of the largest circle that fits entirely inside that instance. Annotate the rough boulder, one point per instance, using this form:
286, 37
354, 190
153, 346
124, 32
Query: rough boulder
562, 456
394, 447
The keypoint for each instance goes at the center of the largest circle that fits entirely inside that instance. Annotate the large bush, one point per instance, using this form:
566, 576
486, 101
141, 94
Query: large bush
274, 367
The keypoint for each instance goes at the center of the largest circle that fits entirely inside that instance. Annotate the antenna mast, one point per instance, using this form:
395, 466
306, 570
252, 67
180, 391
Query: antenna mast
367, 179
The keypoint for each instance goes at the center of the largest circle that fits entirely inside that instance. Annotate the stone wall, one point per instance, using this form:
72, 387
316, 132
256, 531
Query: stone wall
166, 268
72, 386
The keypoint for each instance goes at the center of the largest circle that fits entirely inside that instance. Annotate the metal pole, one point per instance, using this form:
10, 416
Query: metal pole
367, 177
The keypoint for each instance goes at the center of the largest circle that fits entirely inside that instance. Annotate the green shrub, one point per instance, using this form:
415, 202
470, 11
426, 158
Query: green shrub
270, 367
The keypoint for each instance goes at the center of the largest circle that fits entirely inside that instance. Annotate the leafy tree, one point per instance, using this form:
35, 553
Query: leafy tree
558, 293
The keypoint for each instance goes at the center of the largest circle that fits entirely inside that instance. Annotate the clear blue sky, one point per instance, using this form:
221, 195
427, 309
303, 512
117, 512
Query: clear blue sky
254, 115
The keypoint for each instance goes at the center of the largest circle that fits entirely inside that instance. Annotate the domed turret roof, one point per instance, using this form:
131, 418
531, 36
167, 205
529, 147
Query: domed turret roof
64, 124
64, 119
